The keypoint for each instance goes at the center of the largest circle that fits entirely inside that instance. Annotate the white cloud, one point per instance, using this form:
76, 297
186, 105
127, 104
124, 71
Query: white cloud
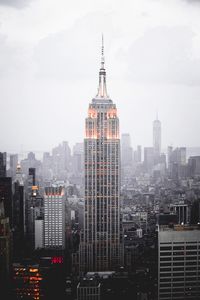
49, 61
165, 55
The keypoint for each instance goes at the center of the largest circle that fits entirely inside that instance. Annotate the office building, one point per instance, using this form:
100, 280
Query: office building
178, 262
27, 281
54, 217
39, 233
89, 289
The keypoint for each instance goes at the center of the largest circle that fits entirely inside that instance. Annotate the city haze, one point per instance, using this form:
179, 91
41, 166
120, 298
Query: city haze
50, 58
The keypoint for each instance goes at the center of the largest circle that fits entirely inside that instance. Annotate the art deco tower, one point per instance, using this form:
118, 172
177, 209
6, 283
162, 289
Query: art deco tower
101, 240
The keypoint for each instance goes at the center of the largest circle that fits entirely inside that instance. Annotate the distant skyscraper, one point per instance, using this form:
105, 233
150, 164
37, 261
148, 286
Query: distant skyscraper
157, 136
149, 158
138, 154
127, 150
61, 160
13, 165
177, 162
101, 244
54, 218
194, 165
78, 158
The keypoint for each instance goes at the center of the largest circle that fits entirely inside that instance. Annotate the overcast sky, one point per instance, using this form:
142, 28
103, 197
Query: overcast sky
50, 58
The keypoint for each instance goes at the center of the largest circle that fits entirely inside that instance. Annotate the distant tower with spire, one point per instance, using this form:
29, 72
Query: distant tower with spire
157, 136
101, 243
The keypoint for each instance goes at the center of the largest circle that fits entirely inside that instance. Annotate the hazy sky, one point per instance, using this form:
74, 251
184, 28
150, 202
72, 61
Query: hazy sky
50, 58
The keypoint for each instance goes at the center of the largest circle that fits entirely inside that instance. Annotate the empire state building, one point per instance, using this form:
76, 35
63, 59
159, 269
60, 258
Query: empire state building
101, 243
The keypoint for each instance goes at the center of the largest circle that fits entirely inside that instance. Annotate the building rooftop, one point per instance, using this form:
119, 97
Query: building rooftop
89, 282
178, 227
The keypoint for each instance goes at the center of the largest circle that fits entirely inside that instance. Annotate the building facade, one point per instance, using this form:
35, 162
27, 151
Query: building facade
89, 289
54, 218
178, 262
101, 247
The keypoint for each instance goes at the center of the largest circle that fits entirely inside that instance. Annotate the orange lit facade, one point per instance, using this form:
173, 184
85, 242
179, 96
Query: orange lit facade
27, 282
101, 246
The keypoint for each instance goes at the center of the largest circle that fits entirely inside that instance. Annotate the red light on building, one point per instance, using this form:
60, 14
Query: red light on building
57, 260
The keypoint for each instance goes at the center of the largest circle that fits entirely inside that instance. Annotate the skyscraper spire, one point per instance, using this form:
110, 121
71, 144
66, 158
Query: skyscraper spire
102, 91
102, 53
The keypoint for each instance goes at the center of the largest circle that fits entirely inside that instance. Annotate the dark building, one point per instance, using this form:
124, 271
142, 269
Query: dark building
195, 212
2, 164
18, 217
5, 252
6, 196
27, 281
89, 288
33, 208
182, 212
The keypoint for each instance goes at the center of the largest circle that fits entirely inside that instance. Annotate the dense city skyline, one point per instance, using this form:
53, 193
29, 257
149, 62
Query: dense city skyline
116, 216
152, 53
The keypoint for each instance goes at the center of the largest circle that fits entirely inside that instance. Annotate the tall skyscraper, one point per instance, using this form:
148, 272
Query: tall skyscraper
101, 242
157, 136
